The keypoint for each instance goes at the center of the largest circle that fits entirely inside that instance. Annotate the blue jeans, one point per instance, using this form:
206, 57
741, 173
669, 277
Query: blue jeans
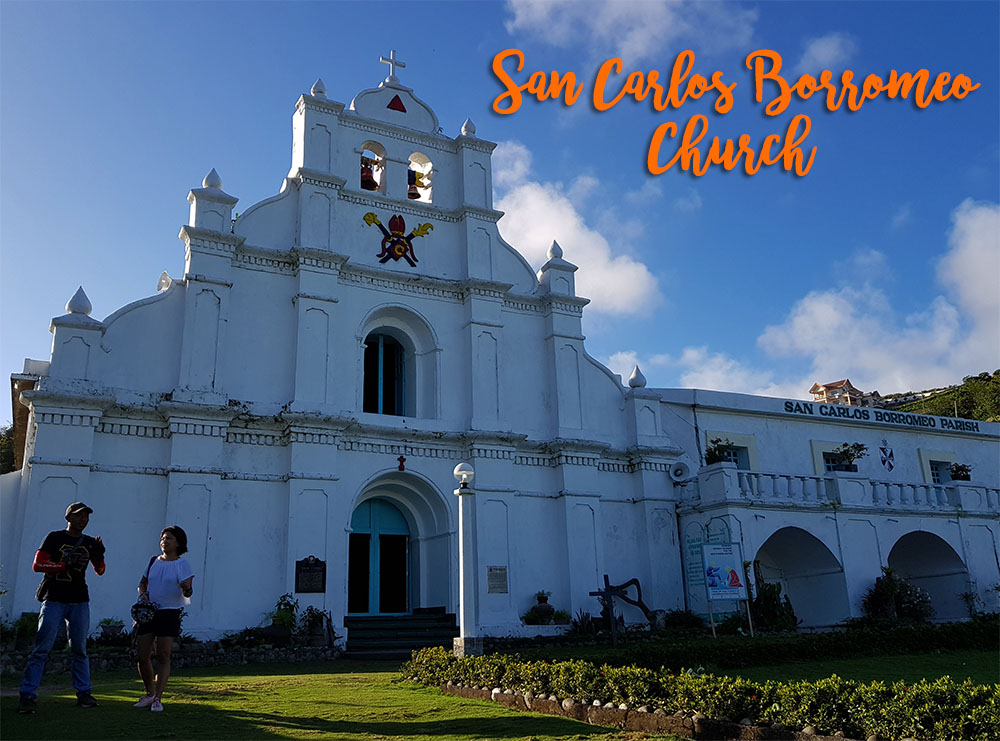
77, 615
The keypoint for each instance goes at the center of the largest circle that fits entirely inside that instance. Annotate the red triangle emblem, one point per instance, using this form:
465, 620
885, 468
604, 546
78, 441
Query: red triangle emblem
396, 104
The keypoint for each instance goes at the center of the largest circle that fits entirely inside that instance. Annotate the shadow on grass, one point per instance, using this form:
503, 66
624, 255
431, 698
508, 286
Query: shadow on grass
58, 717
520, 725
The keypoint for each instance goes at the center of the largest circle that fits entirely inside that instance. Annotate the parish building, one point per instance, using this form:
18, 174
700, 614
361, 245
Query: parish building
298, 396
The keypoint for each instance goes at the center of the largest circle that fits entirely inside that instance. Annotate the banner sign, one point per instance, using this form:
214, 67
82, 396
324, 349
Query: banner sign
723, 564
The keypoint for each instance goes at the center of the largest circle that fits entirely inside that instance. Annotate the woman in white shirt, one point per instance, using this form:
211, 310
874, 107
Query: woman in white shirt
168, 584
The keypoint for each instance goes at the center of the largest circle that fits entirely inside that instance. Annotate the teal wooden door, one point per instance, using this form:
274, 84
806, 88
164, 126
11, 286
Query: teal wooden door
378, 569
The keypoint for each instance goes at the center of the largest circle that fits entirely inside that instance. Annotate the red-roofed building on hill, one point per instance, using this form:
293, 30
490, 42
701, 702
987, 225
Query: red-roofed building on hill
844, 392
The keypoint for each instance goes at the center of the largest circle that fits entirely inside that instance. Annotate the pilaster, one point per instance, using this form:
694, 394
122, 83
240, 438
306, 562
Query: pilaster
484, 304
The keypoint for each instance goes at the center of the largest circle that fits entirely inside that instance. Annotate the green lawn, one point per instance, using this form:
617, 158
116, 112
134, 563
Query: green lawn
349, 700
982, 667
339, 700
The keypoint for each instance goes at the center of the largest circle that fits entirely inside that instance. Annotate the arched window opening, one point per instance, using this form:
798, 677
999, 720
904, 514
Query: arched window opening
419, 184
372, 166
385, 387
401, 378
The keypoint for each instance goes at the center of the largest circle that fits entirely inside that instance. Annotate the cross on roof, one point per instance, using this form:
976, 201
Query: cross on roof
393, 63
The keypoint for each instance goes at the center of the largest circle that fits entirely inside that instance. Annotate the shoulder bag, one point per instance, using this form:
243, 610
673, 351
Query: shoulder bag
142, 612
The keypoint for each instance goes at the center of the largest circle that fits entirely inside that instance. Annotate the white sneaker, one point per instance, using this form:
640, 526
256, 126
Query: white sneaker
144, 702
156, 706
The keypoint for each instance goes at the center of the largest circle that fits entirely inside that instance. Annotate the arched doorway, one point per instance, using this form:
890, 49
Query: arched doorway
928, 562
400, 547
808, 573
379, 560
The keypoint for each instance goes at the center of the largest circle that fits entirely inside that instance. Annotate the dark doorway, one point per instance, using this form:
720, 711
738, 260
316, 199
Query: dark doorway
378, 571
393, 575
358, 572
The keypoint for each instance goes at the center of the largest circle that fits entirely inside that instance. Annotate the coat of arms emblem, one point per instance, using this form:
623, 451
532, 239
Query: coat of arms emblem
394, 244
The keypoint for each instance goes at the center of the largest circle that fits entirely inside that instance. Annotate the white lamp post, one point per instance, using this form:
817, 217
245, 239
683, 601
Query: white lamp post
467, 643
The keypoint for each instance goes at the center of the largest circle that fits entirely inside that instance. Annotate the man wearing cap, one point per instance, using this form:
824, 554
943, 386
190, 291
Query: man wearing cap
63, 558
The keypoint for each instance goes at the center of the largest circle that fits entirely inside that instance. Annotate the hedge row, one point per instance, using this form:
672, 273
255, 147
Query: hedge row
737, 651
941, 709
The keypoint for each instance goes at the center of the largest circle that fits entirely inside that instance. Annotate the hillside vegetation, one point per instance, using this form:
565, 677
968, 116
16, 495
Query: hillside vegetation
977, 398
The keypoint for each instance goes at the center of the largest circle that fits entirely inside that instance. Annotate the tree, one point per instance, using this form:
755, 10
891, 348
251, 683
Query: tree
7, 448
977, 398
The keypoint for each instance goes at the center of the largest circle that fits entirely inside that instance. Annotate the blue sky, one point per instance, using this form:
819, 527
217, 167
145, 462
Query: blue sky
882, 264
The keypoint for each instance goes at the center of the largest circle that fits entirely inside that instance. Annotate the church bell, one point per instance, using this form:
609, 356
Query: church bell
412, 192
368, 181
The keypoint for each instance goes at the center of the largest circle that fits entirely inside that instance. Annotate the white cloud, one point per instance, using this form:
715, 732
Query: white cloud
855, 332
719, 372
902, 216
971, 271
826, 52
633, 31
691, 201
511, 164
625, 361
651, 190
537, 213
869, 263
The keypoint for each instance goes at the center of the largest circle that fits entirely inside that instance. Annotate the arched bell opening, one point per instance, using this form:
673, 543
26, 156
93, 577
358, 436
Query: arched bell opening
372, 167
419, 180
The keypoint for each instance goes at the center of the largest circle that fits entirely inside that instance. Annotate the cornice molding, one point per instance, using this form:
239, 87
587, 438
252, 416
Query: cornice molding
439, 142
372, 199
210, 239
318, 178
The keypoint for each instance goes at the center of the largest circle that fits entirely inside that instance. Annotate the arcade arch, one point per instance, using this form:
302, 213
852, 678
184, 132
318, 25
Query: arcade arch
809, 573
929, 562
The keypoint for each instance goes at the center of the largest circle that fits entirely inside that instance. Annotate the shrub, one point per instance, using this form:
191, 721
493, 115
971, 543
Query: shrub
25, 628
583, 623
847, 453
941, 709
717, 450
285, 613
684, 619
894, 598
862, 638
771, 611
735, 623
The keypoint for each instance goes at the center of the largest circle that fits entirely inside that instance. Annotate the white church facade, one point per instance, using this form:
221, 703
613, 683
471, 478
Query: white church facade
404, 336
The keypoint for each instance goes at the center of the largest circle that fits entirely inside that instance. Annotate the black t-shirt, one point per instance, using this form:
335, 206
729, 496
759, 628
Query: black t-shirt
70, 585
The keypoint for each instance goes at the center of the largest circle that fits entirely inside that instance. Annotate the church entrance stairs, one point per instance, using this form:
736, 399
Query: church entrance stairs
395, 636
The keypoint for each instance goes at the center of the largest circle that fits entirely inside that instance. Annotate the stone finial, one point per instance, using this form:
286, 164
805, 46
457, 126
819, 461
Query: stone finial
555, 251
212, 180
637, 380
164, 282
79, 304
318, 89
211, 207
468, 128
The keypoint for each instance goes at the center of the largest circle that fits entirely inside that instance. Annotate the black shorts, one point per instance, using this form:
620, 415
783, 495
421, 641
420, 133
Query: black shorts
166, 623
